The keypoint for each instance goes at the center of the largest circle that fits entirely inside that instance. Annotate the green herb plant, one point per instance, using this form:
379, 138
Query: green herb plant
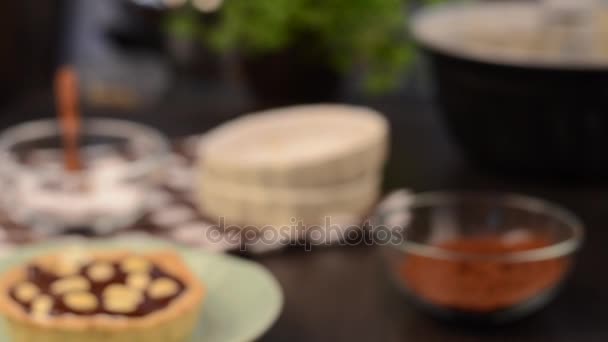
368, 33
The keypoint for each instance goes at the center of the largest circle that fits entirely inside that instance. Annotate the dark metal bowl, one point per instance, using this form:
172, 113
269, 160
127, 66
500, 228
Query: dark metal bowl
522, 118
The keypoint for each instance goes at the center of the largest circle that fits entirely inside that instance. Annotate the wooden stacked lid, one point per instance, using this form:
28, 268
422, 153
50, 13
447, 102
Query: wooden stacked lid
302, 163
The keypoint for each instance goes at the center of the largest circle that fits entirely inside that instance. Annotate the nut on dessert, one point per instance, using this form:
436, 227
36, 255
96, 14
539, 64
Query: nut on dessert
162, 288
26, 292
81, 301
101, 272
138, 280
70, 284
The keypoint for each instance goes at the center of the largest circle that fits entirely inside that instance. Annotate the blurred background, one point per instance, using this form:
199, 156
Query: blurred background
204, 63
167, 62
490, 116
187, 67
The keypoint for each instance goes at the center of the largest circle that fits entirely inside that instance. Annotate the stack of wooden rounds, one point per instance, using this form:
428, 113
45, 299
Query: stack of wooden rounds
295, 164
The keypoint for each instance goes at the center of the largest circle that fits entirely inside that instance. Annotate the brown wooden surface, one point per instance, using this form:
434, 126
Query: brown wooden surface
341, 294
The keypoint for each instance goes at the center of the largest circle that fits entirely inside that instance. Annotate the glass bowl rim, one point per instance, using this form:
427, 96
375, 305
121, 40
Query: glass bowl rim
47, 127
430, 12
531, 204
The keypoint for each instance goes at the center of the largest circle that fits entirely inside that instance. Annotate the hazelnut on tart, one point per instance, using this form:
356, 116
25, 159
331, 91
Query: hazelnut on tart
102, 296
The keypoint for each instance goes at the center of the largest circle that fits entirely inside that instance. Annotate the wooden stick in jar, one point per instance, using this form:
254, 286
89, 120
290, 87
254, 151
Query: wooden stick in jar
66, 94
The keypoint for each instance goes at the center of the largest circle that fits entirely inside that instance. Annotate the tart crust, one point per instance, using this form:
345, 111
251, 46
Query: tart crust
174, 323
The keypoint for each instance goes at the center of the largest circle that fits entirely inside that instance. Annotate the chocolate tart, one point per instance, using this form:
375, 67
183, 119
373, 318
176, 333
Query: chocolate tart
101, 296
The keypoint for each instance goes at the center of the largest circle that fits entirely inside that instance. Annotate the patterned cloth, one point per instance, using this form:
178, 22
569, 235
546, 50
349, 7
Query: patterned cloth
173, 215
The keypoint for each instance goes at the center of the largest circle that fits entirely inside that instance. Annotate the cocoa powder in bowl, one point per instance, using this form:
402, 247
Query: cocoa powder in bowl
478, 284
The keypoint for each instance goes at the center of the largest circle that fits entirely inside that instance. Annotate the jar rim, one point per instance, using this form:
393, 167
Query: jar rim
49, 127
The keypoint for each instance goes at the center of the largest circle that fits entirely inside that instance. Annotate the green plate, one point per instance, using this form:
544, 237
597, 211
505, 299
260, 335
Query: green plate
243, 301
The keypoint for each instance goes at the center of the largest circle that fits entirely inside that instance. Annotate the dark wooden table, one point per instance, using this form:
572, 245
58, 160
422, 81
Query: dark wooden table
340, 293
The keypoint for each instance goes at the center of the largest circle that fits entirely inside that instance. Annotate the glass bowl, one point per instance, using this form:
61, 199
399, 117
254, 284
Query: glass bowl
479, 257
122, 160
